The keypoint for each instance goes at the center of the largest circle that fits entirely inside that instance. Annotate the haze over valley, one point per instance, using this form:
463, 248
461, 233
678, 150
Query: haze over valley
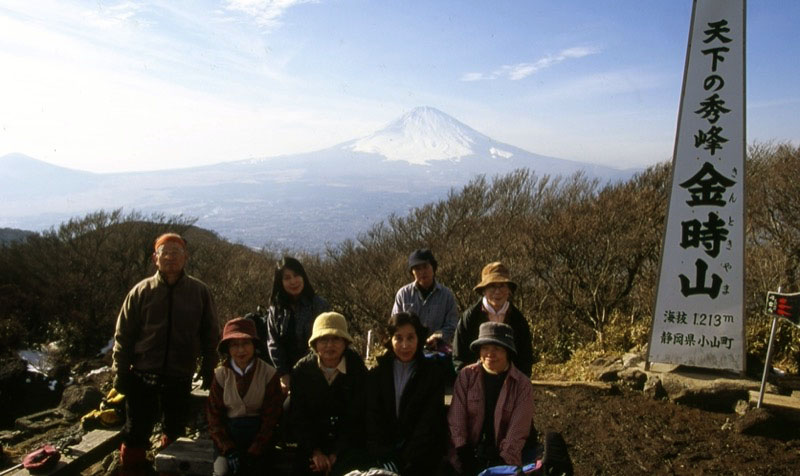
297, 201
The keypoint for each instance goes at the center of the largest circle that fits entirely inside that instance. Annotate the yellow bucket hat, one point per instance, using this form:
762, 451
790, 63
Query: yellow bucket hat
329, 324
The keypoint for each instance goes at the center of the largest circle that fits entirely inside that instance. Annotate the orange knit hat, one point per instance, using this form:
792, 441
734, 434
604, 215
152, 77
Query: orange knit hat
166, 237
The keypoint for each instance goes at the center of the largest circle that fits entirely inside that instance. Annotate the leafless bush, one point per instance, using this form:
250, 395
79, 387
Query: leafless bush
585, 257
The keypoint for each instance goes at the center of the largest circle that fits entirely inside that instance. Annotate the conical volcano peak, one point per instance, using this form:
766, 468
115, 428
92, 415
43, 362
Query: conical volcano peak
429, 118
419, 136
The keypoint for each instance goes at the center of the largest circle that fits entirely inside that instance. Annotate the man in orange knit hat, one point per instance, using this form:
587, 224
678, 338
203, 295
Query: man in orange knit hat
166, 323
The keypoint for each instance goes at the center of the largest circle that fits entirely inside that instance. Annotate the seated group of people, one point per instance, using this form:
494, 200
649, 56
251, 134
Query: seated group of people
317, 391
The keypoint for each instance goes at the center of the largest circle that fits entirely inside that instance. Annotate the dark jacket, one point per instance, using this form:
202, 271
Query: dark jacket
327, 417
288, 331
467, 332
165, 328
414, 440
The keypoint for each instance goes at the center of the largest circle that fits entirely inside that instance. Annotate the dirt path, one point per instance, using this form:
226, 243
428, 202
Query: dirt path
612, 432
622, 432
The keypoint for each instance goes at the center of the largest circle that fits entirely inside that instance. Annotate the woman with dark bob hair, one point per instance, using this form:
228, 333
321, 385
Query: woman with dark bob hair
406, 419
293, 307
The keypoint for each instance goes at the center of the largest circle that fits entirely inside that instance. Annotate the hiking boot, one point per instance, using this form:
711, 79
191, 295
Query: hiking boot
133, 461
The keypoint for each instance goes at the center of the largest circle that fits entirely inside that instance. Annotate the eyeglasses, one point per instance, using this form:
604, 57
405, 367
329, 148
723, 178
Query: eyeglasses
170, 251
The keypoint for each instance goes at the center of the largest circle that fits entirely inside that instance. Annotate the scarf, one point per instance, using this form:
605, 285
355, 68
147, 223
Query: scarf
495, 316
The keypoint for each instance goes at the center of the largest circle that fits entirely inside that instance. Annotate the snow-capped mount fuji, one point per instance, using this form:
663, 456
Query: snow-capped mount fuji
303, 200
426, 136
422, 135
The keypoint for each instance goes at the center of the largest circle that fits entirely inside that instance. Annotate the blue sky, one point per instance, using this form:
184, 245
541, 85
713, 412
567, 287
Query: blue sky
120, 85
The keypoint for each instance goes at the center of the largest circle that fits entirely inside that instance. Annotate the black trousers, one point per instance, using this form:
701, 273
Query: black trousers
151, 397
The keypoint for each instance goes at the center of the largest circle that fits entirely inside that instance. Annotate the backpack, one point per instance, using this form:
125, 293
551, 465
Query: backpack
259, 319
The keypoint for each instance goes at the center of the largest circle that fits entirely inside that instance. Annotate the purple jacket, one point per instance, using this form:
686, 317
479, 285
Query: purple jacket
513, 415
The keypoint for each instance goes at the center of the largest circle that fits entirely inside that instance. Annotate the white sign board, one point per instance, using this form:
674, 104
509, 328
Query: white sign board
699, 312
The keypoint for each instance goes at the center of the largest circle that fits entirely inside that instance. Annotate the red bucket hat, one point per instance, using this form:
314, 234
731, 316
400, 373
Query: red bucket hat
237, 328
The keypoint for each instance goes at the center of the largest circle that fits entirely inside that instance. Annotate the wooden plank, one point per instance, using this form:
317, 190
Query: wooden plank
567, 383
92, 447
187, 456
40, 421
772, 400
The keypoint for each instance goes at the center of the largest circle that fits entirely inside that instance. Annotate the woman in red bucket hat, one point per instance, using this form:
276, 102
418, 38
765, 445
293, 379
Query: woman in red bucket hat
244, 404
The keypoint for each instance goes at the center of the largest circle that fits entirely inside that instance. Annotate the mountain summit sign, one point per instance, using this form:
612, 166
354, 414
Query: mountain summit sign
698, 317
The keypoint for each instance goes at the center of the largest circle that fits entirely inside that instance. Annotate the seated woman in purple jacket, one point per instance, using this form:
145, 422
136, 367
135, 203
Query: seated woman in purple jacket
491, 414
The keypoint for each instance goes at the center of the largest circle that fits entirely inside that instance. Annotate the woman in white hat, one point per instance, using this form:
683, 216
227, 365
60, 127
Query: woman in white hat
326, 411
244, 403
491, 413
496, 290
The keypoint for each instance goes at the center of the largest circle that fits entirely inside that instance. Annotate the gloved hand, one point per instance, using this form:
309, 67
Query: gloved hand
469, 463
234, 461
123, 381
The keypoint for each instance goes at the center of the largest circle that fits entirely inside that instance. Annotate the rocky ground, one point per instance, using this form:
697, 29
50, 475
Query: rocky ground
635, 423
621, 431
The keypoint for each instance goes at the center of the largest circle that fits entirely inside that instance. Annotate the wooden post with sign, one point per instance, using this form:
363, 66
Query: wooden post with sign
783, 306
698, 317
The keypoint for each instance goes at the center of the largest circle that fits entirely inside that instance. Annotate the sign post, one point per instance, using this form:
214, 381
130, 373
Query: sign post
698, 317
785, 306
767, 361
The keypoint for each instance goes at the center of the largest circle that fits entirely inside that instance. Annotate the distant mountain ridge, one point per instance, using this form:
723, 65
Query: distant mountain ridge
10, 235
303, 200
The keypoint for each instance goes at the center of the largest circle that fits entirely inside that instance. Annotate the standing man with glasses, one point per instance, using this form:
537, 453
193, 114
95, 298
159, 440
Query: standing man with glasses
433, 302
166, 323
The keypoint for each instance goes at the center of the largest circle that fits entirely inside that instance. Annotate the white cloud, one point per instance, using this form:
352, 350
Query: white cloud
100, 121
79, 94
473, 77
522, 70
113, 16
519, 71
579, 52
265, 12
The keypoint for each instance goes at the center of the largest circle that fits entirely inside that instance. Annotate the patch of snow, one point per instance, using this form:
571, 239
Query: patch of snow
101, 370
108, 346
420, 136
500, 153
52, 385
37, 360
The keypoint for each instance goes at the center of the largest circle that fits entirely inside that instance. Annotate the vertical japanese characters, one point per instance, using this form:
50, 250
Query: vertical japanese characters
698, 318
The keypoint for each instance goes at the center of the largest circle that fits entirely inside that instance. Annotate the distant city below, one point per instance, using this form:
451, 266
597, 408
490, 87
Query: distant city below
303, 201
